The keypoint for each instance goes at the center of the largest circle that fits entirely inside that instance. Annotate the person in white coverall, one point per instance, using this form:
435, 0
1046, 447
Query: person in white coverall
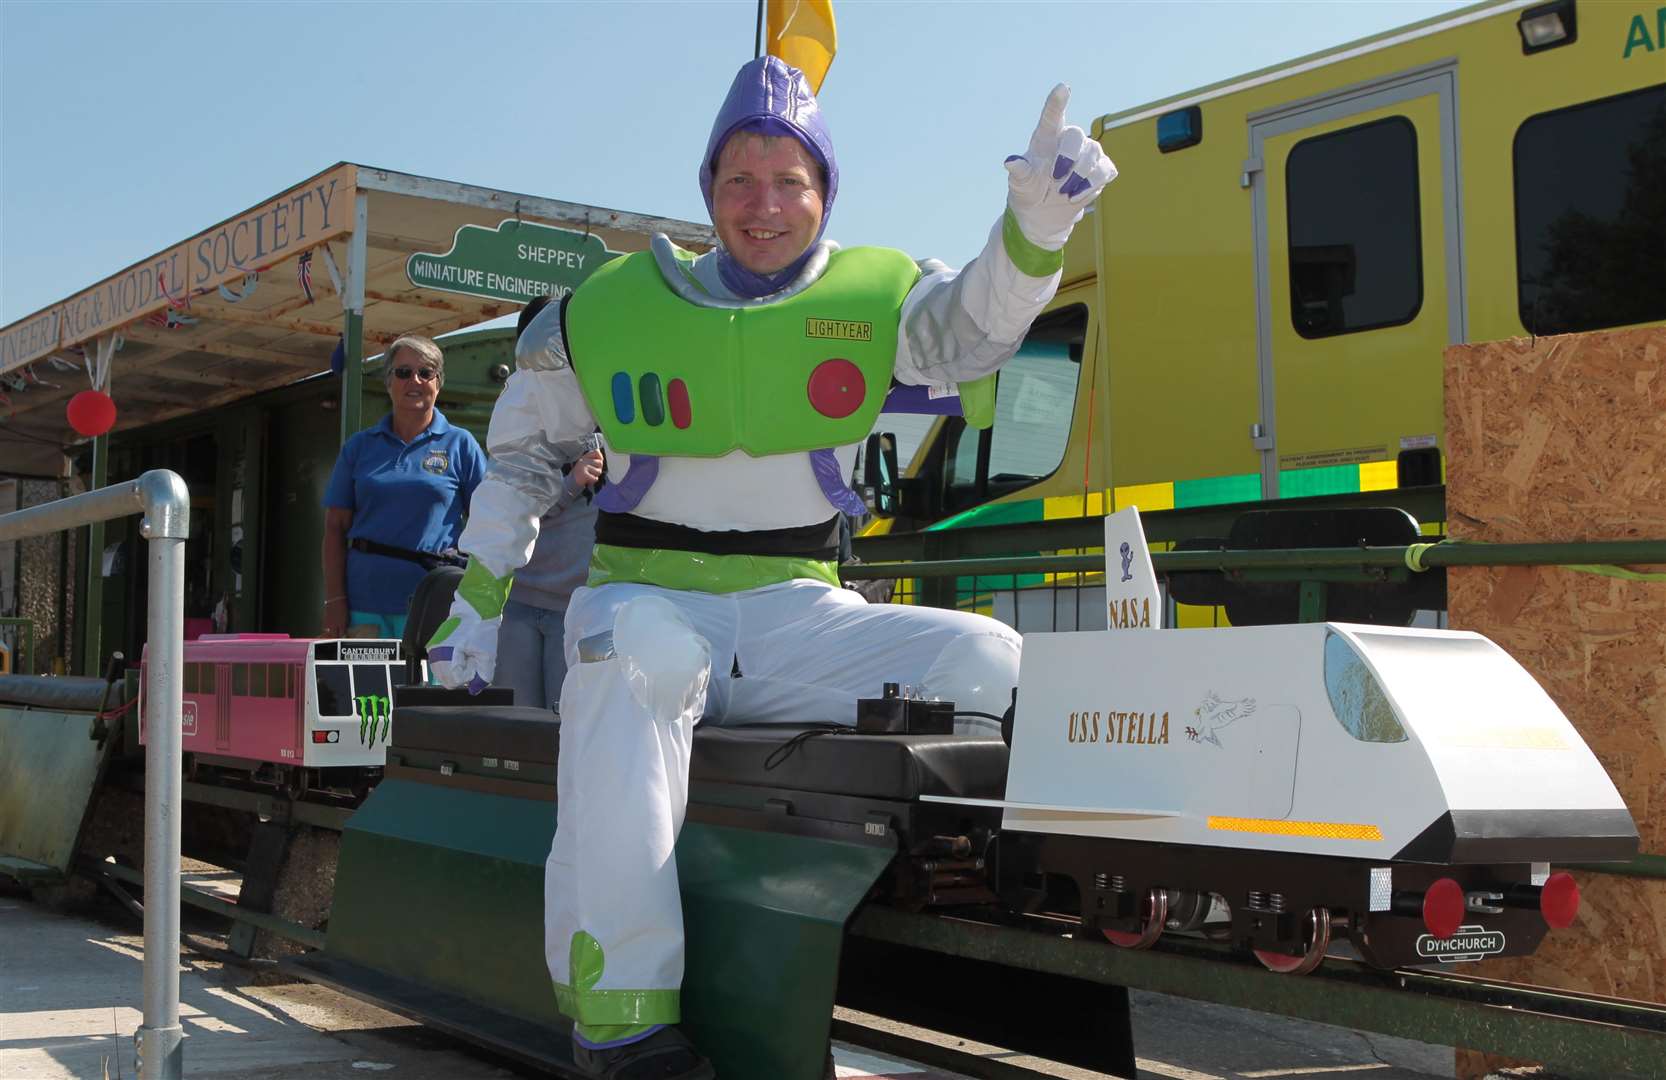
732, 389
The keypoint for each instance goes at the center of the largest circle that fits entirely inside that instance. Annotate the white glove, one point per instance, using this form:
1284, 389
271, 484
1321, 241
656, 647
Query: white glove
1050, 184
463, 651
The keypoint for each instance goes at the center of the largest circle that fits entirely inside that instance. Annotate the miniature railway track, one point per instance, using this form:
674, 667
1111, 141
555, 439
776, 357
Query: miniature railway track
1580, 1035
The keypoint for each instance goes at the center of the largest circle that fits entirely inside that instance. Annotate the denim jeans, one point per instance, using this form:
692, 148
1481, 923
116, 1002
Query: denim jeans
529, 656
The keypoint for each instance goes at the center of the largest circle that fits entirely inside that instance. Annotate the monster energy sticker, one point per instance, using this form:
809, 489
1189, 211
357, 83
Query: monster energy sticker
375, 714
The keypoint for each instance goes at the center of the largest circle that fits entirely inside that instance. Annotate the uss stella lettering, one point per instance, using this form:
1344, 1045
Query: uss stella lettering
1119, 728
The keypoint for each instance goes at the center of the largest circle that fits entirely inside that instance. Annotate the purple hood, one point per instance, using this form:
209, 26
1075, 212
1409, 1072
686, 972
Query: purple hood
770, 97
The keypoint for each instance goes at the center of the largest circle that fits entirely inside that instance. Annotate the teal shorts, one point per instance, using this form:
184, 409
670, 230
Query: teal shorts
387, 626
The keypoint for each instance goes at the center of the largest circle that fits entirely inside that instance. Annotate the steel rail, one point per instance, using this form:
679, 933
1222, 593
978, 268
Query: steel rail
1583, 1037
206, 901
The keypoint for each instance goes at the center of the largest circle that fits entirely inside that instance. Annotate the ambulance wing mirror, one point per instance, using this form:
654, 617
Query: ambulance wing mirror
879, 472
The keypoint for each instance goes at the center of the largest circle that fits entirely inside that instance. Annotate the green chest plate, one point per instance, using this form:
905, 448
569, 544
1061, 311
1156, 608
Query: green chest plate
664, 376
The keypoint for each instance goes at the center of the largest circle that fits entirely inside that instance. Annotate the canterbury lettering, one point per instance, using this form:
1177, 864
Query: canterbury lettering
1119, 728
838, 329
375, 718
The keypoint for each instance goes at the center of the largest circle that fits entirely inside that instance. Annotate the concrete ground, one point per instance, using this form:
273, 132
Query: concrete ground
70, 993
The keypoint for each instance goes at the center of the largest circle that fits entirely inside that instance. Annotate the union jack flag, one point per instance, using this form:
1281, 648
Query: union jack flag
303, 273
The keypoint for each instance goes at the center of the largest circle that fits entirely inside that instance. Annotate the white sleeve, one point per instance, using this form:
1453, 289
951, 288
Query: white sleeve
959, 325
537, 426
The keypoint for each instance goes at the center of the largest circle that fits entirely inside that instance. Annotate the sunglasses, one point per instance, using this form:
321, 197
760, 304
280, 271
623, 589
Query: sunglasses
426, 374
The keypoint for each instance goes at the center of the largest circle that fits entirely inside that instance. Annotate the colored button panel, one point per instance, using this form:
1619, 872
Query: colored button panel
653, 405
676, 396
837, 388
624, 401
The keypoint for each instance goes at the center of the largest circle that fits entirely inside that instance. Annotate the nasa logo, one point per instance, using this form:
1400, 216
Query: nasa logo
1129, 614
1127, 561
1468, 944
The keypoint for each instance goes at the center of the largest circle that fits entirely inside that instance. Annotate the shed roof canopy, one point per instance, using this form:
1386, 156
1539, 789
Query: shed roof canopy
223, 314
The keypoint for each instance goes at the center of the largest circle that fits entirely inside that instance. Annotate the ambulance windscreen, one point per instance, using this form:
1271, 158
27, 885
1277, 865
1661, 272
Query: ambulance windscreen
1355, 696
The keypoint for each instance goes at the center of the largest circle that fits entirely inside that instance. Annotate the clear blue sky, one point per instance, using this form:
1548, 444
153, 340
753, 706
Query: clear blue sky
125, 127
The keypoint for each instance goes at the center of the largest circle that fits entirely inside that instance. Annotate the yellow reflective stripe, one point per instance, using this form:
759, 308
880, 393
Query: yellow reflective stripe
1070, 506
1146, 496
1330, 830
1379, 475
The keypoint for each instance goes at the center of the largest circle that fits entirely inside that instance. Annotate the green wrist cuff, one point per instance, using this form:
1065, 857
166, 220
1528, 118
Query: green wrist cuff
486, 594
1031, 259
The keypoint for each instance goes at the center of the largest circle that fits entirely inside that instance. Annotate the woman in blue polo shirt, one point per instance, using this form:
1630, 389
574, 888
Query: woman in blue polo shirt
397, 498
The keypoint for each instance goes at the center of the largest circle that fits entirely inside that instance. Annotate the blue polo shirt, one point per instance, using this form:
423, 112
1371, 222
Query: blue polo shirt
410, 495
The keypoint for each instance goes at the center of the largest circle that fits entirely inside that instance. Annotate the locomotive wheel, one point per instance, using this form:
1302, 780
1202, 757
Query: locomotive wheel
295, 784
1318, 920
1154, 912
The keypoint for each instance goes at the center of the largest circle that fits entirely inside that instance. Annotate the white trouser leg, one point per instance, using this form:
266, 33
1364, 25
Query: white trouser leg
613, 915
807, 651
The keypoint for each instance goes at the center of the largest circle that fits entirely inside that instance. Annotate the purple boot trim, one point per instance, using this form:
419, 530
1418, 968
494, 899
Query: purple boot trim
825, 465
623, 495
588, 1045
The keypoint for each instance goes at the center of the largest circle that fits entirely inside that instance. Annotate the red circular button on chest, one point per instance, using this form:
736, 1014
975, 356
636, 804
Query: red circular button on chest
837, 388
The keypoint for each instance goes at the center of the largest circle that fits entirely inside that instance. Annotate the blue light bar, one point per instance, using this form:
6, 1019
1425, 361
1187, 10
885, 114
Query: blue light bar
1180, 129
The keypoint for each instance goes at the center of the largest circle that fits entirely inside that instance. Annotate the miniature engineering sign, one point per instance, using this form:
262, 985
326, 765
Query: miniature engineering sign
518, 261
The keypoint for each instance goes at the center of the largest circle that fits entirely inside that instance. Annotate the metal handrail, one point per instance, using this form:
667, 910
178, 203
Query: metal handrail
1296, 561
162, 498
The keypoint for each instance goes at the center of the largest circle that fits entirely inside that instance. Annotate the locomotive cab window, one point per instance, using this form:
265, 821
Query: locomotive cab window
1356, 258
1035, 395
1590, 220
1356, 697
335, 690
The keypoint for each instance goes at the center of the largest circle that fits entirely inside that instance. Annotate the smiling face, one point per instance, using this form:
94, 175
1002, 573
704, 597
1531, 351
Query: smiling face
766, 200
412, 397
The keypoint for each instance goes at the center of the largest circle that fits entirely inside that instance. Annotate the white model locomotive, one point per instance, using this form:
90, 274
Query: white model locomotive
1284, 786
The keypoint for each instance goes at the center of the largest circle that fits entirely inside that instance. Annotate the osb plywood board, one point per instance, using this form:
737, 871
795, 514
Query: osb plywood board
1564, 439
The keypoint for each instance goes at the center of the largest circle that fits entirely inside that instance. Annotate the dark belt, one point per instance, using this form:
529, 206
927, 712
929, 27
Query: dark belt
819, 541
428, 560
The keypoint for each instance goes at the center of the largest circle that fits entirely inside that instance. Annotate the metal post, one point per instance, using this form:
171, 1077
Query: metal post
165, 526
352, 366
92, 596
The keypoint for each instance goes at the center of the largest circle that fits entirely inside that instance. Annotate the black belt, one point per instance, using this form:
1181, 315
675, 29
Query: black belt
818, 541
428, 560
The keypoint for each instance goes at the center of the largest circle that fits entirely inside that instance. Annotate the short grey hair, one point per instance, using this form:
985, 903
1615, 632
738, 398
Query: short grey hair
426, 351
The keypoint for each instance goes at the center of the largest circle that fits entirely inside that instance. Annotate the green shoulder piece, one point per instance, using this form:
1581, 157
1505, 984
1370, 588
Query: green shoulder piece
664, 376
977, 402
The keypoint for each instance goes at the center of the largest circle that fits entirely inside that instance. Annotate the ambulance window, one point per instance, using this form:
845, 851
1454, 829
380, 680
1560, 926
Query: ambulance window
1590, 218
1356, 259
1355, 696
1035, 397
335, 692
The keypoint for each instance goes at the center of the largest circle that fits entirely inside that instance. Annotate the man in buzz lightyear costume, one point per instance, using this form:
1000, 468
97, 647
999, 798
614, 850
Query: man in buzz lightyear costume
732, 389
